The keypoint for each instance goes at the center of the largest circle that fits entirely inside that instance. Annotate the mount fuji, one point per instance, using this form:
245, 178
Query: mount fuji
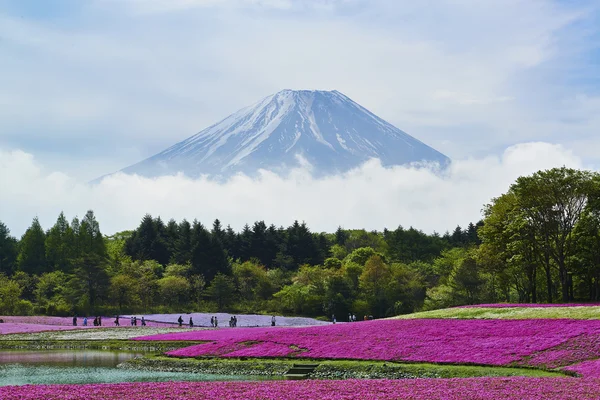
324, 128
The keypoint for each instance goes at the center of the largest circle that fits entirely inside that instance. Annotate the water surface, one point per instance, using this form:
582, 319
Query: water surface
22, 367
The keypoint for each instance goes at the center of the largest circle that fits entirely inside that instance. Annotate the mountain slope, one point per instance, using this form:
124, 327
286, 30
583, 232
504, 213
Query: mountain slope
327, 129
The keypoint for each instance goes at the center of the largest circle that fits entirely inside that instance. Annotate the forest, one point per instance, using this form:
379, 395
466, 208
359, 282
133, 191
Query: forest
537, 243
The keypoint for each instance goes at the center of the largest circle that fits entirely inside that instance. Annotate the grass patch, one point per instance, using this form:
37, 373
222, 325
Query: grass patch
585, 312
329, 369
124, 345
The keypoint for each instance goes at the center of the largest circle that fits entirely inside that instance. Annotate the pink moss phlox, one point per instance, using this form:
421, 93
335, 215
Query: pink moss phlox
577, 349
415, 389
529, 305
493, 342
589, 369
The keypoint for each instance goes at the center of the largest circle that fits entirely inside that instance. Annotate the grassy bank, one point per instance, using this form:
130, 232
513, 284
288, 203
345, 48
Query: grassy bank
123, 345
592, 312
327, 369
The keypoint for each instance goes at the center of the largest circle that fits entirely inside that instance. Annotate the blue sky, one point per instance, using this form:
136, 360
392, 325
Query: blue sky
92, 86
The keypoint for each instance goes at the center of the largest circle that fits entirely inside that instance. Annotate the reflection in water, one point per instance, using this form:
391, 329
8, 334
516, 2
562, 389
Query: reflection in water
80, 358
22, 367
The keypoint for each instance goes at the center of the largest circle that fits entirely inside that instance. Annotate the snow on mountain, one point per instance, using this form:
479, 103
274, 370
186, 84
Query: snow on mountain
325, 128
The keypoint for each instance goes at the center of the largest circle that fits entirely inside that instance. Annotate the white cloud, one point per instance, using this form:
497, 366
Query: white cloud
465, 76
370, 197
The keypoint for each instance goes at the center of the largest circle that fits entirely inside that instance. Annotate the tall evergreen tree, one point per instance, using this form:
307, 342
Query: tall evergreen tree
60, 245
32, 254
90, 237
183, 244
8, 251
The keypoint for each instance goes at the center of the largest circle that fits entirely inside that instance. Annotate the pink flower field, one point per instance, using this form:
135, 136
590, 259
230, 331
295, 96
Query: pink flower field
588, 369
43, 324
529, 305
414, 389
7, 328
490, 342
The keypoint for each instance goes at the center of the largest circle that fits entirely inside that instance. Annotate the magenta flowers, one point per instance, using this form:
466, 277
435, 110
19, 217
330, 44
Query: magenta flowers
416, 389
492, 342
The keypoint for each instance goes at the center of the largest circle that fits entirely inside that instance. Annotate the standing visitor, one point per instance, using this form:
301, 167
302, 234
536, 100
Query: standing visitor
134, 321
191, 323
84, 321
273, 320
75, 320
212, 321
333, 318
117, 321
99, 321
131, 321
216, 322
180, 320
143, 321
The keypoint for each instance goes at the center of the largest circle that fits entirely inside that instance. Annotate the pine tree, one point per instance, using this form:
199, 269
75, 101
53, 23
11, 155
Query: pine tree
8, 251
59, 245
183, 244
32, 254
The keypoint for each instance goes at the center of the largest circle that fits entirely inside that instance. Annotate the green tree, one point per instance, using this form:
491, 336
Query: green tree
222, 291
32, 254
8, 251
59, 245
373, 283
124, 292
174, 290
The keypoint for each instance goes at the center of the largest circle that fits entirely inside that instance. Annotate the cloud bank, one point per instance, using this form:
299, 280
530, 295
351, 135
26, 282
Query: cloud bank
370, 197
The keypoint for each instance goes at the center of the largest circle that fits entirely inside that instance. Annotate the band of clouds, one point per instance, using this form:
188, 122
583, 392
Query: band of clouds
369, 197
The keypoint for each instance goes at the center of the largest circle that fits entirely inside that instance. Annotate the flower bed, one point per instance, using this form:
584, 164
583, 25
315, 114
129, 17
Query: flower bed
530, 305
418, 389
581, 348
491, 342
7, 328
589, 369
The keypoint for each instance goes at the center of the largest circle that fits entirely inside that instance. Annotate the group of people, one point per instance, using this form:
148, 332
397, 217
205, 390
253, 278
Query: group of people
214, 322
97, 321
352, 318
233, 322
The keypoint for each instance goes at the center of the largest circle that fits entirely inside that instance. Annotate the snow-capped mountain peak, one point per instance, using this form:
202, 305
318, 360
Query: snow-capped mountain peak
326, 128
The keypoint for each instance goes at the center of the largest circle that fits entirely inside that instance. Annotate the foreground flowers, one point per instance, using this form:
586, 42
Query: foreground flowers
415, 389
491, 342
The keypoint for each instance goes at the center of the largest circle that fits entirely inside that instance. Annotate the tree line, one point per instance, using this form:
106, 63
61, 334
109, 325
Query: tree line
538, 242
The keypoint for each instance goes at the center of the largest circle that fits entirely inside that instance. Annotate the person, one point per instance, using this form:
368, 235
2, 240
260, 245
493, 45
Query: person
216, 322
143, 321
180, 320
84, 321
333, 318
95, 321
191, 323
134, 321
75, 320
349, 317
212, 321
273, 320
234, 321
117, 321
99, 321
131, 320
353, 317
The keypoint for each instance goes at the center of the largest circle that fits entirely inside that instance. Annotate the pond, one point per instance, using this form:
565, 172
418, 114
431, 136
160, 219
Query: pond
22, 367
